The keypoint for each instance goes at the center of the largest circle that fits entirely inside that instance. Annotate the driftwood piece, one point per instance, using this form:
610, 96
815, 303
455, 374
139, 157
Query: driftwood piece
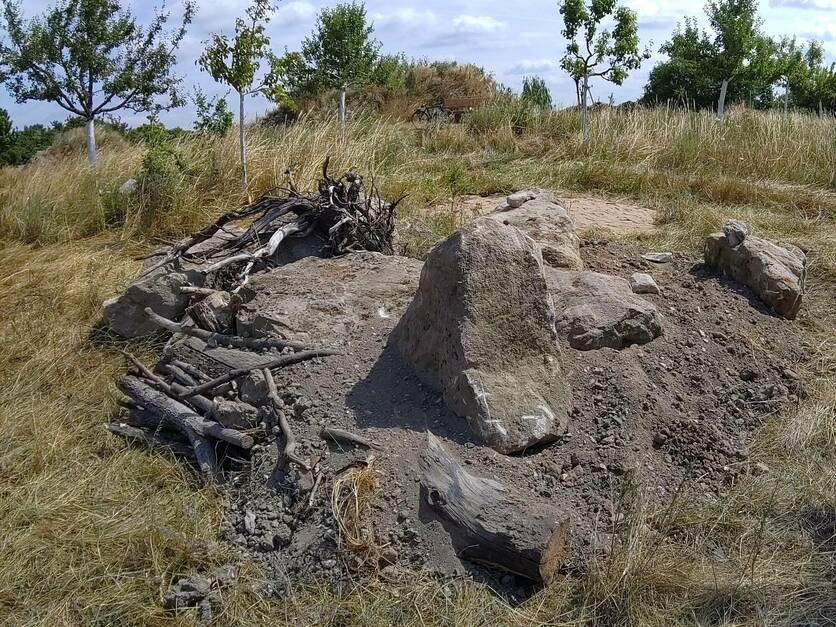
250, 343
150, 438
489, 524
340, 436
289, 438
281, 362
212, 312
177, 416
190, 370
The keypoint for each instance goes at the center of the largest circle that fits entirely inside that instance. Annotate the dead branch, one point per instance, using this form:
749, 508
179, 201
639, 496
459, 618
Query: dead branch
150, 438
289, 438
236, 341
281, 362
341, 436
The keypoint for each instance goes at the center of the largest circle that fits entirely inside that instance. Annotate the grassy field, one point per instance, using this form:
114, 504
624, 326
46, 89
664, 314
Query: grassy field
92, 531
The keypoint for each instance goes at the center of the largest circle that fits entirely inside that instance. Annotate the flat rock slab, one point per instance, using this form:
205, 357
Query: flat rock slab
327, 302
539, 215
481, 331
776, 273
597, 310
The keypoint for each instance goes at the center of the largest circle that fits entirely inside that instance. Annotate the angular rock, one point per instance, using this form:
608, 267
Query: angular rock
735, 232
160, 291
236, 414
642, 283
775, 273
518, 199
481, 331
658, 257
545, 221
601, 311
187, 592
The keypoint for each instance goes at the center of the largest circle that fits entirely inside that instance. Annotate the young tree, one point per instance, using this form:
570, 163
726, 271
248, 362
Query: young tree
90, 57
536, 93
341, 50
606, 54
213, 116
736, 26
236, 62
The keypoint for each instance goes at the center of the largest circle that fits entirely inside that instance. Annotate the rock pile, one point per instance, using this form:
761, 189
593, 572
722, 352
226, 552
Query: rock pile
541, 372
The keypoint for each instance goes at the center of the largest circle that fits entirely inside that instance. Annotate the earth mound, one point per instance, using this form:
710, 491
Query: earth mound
327, 392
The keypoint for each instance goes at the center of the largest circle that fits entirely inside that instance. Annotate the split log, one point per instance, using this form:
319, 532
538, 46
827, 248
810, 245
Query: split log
281, 362
489, 524
151, 439
236, 341
289, 438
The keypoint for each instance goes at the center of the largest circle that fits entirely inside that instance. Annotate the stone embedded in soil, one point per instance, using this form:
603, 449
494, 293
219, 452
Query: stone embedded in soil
481, 330
775, 273
642, 283
597, 310
545, 221
658, 257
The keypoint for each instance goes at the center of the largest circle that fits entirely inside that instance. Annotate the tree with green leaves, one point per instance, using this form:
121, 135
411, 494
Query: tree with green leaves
213, 116
536, 93
236, 62
593, 52
6, 134
735, 24
91, 58
341, 51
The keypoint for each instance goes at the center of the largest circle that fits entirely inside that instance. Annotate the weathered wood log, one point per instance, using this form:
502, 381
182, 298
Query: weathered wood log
250, 343
211, 313
489, 524
281, 362
190, 370
150, 438
290, 443
340, 436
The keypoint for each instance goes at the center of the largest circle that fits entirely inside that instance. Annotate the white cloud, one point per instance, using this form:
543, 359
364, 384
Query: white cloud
534, 66
406, 17
476, 24
803, 4
294, 13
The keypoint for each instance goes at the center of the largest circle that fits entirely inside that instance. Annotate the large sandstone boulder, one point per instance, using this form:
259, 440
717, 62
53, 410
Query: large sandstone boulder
539, 215
776, 273
601, 311
481, 331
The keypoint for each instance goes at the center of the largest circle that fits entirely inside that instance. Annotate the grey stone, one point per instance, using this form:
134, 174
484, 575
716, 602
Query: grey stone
187, 592
481, 331
658, 257
601, 311
128, 187
735, 232
159, 290
252, 388
235, 414
545, 221
518, 199
250, 522
776, 273
642, 283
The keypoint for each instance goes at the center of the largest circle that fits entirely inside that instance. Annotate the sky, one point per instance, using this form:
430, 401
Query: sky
509, 39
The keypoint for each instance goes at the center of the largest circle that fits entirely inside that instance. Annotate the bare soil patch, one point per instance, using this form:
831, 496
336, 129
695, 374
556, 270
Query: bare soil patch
675, 415
586, 211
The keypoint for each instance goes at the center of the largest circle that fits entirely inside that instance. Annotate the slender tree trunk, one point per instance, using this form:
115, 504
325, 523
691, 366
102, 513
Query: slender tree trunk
787, 96
584, 121
821, 110
242, 148
342, 106
721, 103
90, 137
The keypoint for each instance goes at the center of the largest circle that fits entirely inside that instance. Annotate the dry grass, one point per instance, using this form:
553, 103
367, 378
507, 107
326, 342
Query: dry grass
93, 530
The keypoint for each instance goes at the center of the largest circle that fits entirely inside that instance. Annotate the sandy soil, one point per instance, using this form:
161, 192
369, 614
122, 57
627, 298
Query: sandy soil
586, 211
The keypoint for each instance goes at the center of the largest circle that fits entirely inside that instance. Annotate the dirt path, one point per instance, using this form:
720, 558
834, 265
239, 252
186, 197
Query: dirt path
586, 211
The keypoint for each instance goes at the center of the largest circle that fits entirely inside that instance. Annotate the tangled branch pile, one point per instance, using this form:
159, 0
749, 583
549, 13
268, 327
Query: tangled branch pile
340, 212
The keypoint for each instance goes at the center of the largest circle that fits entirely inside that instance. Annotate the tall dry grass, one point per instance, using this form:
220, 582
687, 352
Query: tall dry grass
93, 531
